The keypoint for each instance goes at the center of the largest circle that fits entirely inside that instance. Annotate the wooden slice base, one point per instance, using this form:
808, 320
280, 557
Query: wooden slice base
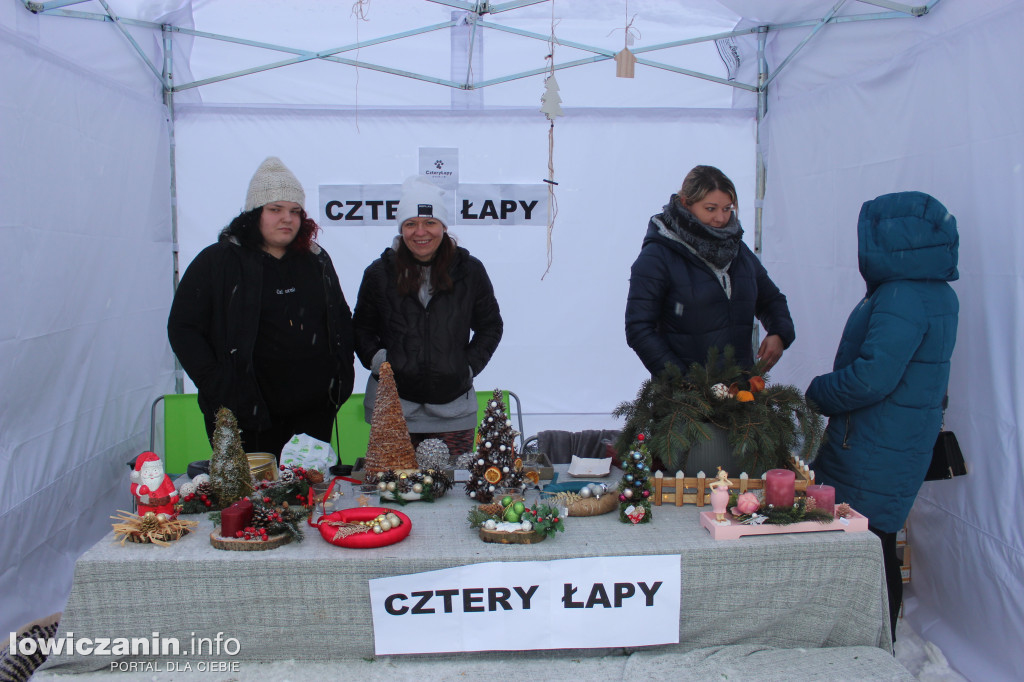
239, 545
516, 537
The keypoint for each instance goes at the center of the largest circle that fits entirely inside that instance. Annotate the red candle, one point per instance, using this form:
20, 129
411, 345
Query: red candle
780, 487
235, 518
824, 497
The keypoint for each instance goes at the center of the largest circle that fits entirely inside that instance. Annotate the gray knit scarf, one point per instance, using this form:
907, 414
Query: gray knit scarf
717, 246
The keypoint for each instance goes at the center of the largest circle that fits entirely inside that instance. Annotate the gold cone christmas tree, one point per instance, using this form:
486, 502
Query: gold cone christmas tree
389, 446
230, 475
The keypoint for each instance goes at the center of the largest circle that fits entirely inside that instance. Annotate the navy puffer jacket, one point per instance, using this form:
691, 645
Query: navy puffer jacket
884, 395
434, 351
677, 308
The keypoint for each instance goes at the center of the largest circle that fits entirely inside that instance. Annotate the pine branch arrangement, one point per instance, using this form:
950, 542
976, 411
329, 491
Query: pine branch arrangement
764, 423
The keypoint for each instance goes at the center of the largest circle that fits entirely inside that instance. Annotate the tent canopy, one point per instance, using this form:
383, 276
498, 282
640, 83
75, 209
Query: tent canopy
138, 125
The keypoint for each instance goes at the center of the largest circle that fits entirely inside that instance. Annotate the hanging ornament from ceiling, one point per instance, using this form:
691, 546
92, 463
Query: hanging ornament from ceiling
625, 60
551, 107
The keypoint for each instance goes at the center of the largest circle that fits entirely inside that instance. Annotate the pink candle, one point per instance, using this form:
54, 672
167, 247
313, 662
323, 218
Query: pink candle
824, 497
780, 487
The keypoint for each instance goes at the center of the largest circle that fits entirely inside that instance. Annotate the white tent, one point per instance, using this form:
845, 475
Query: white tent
106, 186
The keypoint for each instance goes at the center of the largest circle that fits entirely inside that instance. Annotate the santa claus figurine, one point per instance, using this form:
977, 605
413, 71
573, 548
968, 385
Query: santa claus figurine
153, 488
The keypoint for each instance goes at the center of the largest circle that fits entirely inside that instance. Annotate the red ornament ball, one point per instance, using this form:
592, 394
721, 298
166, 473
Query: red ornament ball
640, 437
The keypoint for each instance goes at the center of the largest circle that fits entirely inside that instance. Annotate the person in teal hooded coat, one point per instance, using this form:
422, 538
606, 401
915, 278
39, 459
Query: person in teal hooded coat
885, 392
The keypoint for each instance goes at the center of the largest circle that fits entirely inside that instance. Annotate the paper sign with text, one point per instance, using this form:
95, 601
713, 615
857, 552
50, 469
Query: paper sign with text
441, 165
585, 603
359, 205
377, 205
502, 205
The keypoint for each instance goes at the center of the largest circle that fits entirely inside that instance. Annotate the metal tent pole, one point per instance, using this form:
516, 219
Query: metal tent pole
168, 86
761, 171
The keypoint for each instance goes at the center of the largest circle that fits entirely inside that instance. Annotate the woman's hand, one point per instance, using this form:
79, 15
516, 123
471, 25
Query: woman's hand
770, 350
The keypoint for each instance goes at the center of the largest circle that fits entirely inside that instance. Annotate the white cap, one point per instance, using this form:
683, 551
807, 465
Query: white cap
421, 197
273, 182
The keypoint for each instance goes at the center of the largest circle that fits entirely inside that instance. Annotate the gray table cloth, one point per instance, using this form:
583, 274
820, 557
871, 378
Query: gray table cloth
310, 600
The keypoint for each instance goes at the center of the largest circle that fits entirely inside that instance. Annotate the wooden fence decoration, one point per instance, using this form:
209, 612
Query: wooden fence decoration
680, 489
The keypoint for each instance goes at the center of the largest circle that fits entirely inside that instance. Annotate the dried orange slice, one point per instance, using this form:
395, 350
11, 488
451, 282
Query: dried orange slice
517, 464
533, 476
492, 475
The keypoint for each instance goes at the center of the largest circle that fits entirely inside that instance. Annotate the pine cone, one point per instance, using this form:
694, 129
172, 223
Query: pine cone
204, 489
262, 516
314, 476
148, 523
493, 509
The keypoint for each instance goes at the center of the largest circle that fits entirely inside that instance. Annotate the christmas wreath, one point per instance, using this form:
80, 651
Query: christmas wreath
425, 486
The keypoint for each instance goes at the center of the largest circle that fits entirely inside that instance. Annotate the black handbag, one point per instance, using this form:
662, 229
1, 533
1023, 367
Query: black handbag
947, 458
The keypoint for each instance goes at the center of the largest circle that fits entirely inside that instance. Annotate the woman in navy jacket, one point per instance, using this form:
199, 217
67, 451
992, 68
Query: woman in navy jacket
884, 394
696, 284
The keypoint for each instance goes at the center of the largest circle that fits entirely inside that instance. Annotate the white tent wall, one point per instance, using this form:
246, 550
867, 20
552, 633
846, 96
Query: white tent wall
85, 282
867, 108
943, 117
564, 350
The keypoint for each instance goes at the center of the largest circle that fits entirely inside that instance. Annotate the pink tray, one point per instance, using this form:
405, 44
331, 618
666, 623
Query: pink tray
853, 524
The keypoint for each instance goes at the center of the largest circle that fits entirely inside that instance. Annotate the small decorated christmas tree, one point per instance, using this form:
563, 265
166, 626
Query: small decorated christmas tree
635, 487
495, 465
230, 476
390, 447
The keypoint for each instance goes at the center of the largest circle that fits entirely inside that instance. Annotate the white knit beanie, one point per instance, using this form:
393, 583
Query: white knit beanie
421, 197
273, 182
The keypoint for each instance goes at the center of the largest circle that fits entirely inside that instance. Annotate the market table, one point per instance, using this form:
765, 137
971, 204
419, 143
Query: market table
310, 600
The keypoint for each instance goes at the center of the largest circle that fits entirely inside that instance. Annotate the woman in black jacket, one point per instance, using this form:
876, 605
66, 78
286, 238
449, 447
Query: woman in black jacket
259, 321
427, 307
696, 284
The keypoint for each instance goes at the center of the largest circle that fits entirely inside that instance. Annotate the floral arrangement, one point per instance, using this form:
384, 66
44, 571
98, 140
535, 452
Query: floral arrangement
540, 518
765, 423
269, 519
748, 508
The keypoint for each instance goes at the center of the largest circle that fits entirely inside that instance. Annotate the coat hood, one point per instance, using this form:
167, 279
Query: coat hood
906, 235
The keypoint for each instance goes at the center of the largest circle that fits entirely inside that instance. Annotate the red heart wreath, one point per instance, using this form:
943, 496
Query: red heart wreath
331, 528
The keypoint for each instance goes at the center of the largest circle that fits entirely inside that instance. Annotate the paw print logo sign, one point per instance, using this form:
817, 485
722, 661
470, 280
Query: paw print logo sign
439, 164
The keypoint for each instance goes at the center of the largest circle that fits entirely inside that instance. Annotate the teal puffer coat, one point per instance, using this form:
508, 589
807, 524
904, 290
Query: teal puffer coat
884, 394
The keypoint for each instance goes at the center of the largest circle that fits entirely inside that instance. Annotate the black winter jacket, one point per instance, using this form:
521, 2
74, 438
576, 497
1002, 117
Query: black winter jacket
214, 321
677, 309
434, 351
